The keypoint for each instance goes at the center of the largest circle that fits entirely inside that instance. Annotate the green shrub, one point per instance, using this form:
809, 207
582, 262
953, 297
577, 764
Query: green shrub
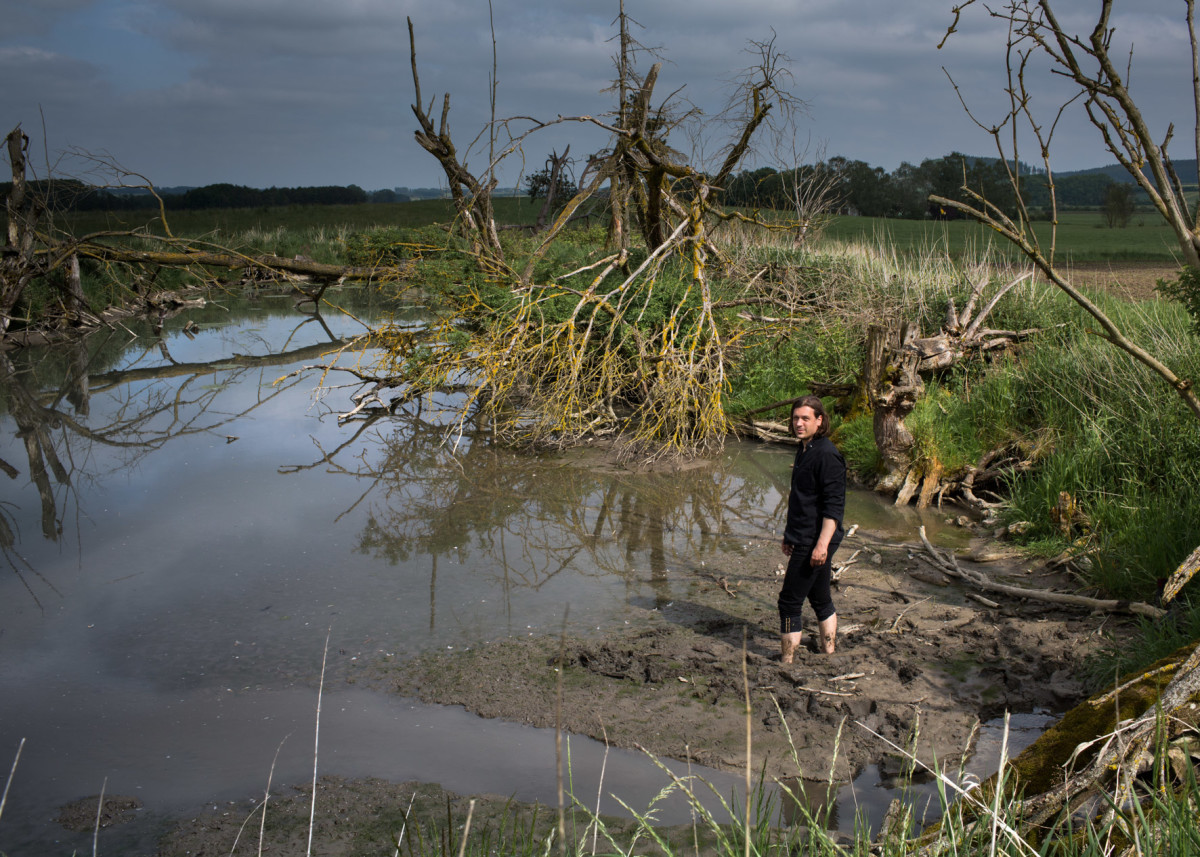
1186, 290
856, 439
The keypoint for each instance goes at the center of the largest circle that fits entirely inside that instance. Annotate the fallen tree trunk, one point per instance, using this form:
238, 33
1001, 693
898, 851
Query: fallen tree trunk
896, 361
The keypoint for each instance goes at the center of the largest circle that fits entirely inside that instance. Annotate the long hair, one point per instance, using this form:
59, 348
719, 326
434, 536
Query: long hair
818, 408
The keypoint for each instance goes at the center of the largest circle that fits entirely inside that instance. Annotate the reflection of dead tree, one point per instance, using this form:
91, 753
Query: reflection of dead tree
159, 413
128, 262
34, 427
108, 380
429, 500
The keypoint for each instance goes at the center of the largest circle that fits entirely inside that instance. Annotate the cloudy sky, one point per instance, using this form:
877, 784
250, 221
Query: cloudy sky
317, 92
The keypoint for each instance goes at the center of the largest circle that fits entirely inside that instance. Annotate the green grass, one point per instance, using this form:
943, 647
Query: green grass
1082, 236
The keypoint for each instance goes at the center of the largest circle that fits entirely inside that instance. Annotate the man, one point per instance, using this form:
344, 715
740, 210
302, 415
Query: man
814, 528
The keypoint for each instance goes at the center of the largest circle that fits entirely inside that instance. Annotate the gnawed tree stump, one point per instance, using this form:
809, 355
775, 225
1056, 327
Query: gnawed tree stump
892, 382
892, 386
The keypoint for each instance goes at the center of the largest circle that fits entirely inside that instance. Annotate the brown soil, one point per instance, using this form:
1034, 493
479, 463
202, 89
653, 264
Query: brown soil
1132, 280
81, 815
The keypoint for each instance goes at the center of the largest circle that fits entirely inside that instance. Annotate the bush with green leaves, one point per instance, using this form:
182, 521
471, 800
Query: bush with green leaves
1186, 290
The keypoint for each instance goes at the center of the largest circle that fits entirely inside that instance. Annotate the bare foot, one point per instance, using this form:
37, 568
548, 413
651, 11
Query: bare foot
788, 644
828, 635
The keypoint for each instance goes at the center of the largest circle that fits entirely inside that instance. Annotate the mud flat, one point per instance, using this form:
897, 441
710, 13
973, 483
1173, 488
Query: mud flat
919, 661
914, 659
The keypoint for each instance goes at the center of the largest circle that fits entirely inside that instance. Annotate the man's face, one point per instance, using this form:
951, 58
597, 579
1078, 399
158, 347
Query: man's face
805, 423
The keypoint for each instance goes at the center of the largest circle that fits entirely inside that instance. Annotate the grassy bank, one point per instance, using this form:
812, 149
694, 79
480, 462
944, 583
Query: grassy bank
1096, 429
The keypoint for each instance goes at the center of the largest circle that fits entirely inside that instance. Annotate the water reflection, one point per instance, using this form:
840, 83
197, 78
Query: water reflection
205, 509
88, 409
527, 521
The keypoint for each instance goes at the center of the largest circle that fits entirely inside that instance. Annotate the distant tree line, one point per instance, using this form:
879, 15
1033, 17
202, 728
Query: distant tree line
859, 188
74, 195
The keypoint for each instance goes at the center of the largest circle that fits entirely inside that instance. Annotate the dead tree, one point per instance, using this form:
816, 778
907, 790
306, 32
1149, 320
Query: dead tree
1033, 26
539, 378
554, 168
813, 199
895, 365
1033, 29
19, 264
472, 197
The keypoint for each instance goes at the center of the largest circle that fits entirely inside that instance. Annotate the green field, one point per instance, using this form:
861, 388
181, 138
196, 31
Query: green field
237, 221
1082, 236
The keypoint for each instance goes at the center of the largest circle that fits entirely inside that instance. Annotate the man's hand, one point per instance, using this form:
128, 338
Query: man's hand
821, 549
787, 549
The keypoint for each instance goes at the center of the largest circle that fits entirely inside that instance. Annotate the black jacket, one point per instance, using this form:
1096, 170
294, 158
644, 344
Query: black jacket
818, 492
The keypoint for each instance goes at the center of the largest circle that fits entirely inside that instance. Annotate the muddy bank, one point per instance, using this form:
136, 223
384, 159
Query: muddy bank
914, 659
360, 816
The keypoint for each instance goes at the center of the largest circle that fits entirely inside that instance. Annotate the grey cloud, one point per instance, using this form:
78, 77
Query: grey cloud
24, 18
307, 91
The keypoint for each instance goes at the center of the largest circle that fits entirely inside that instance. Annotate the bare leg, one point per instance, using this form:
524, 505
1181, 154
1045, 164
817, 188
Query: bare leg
788, 644
828, 631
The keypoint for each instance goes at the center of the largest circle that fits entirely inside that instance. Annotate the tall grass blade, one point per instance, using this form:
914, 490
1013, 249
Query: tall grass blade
400, 837
462, 846
11, 773
99, 813
312, 814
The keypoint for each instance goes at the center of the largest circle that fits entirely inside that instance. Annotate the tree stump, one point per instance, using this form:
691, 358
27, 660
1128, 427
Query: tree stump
892, 385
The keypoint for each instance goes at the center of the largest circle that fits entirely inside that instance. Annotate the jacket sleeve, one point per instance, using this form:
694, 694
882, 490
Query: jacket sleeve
833, 485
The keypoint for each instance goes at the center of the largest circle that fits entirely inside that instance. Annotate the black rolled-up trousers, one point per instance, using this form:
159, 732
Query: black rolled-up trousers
805, 582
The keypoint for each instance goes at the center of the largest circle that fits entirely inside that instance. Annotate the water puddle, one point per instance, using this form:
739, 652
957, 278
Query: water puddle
865, 801
201, 749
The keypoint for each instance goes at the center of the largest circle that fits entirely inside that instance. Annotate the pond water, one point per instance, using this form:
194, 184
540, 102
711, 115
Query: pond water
187, 522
